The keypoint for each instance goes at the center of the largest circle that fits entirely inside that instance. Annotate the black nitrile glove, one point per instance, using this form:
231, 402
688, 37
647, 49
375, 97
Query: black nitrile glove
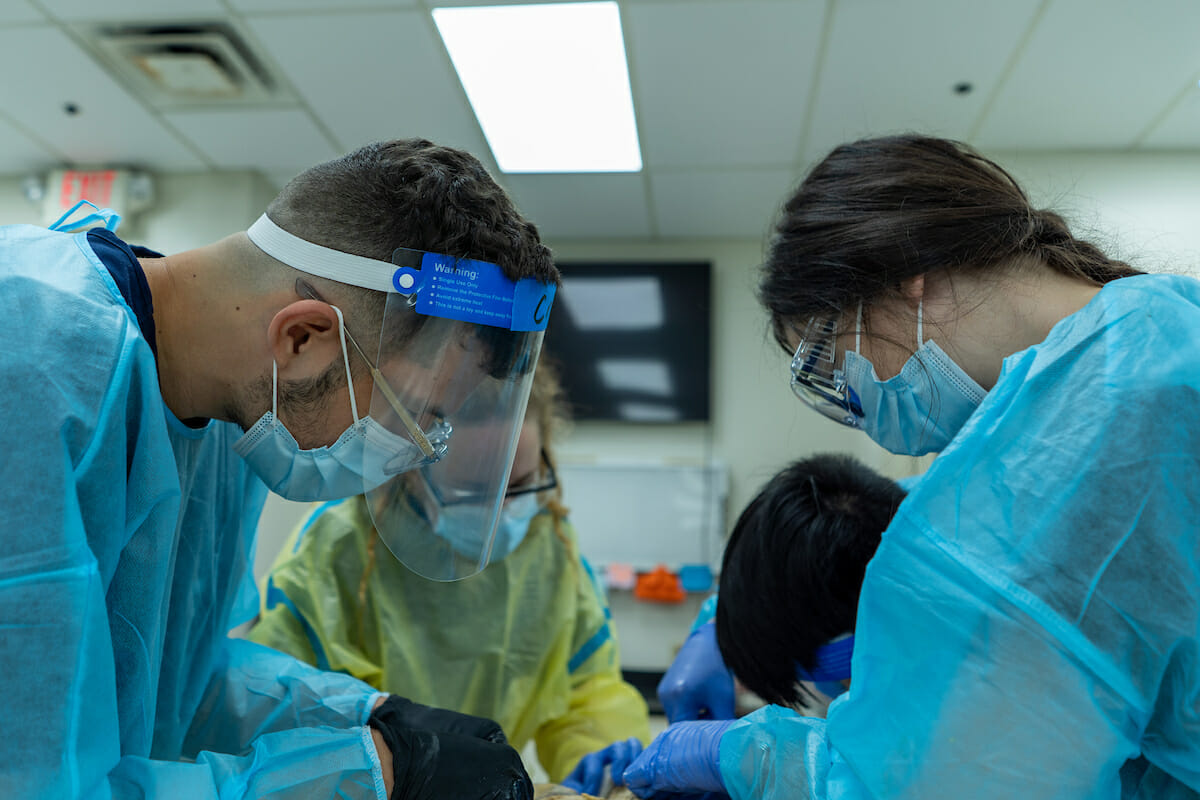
427, 765
402, 714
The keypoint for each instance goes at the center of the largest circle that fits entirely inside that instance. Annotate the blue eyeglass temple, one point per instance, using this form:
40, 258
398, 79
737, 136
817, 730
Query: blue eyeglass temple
833, 662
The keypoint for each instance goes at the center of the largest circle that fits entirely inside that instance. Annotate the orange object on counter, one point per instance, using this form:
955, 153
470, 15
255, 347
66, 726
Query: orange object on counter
660, 585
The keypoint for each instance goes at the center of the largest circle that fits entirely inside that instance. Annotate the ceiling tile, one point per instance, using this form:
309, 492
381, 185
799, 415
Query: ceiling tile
19, 11
110, 126
267, 139
722, 84
20, 154
376, 76
1180, 129
726, 203
140, 10
891, 67
582, 206
1095, 74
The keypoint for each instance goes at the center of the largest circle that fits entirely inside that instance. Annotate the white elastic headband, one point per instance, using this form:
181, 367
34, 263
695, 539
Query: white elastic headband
324, 262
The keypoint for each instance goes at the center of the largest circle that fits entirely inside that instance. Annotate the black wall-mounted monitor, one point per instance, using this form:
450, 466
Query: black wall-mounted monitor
632, 340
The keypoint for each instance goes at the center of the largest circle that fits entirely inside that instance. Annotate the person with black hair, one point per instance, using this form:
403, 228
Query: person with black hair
791, 574
1029, 626
785, 618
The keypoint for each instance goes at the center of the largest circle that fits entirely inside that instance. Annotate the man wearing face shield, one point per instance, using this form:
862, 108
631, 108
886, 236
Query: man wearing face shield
323, 353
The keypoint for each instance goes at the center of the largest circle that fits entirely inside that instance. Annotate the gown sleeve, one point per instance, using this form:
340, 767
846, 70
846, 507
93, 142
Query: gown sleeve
602, 707
89, 480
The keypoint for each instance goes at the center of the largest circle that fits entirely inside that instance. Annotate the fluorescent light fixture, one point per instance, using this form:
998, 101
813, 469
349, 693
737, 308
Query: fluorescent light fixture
613, 304
548, 82
644, 375
646, 412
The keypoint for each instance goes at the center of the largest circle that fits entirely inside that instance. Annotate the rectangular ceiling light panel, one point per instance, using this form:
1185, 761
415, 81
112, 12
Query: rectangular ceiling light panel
548, 82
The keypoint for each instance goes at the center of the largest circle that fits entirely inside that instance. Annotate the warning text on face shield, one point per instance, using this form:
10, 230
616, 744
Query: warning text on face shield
465, 290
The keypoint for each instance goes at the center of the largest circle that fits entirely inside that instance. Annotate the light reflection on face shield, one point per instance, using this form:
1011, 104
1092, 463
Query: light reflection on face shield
432, 450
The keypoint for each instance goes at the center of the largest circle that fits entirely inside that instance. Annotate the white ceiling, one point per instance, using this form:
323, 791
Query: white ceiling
734, 98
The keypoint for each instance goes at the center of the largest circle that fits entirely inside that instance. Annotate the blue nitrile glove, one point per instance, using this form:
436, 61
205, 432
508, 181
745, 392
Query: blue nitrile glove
685, 758
698, 685
588, 775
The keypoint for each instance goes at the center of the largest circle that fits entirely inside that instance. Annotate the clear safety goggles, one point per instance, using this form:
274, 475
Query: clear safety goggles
451, 367
816, 377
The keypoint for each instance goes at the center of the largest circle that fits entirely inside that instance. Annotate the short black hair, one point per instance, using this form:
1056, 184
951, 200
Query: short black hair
794, 566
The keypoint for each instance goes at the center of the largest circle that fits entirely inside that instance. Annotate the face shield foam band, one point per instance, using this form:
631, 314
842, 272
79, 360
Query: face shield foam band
833, 661
445, 286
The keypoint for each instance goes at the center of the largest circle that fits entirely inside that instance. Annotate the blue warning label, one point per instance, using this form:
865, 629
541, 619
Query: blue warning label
479, 292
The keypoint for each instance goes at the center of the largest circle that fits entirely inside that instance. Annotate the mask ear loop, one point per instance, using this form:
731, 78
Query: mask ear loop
346, 361
920, 316
858, 330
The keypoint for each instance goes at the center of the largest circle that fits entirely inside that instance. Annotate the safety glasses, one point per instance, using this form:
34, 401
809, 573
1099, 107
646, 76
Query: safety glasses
816, 378
456, 497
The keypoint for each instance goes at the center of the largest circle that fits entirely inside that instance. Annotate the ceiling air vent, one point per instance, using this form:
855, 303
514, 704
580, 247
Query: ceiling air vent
187, 66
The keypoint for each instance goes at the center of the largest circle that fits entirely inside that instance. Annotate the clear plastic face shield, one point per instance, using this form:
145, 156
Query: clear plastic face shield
818, 379
451, 365
446, 508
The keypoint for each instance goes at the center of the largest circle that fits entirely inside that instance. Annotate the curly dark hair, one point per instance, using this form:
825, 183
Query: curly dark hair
414, 194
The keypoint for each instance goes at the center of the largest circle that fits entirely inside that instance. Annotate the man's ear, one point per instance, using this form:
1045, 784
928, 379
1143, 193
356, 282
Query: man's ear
304, 338
913, 290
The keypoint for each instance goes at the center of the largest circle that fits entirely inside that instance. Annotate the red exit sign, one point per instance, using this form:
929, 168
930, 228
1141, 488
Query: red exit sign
93, 185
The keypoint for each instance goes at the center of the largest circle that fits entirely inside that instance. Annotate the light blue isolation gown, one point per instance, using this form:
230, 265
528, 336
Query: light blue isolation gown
115, 667
1030, 626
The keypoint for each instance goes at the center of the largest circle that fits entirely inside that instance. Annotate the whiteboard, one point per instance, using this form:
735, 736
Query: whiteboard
645, 514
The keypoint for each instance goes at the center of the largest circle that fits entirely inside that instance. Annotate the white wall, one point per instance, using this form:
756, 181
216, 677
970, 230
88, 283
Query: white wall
1143, 208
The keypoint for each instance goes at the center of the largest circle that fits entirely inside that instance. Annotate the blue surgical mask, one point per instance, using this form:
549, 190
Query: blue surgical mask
460, 526
109, 218
363, 457
920, 410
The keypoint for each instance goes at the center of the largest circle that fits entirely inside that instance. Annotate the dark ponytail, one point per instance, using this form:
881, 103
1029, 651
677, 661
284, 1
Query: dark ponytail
878, 211
1051, 240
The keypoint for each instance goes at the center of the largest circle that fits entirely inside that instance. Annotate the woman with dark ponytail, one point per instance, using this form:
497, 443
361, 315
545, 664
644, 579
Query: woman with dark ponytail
1030, 625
